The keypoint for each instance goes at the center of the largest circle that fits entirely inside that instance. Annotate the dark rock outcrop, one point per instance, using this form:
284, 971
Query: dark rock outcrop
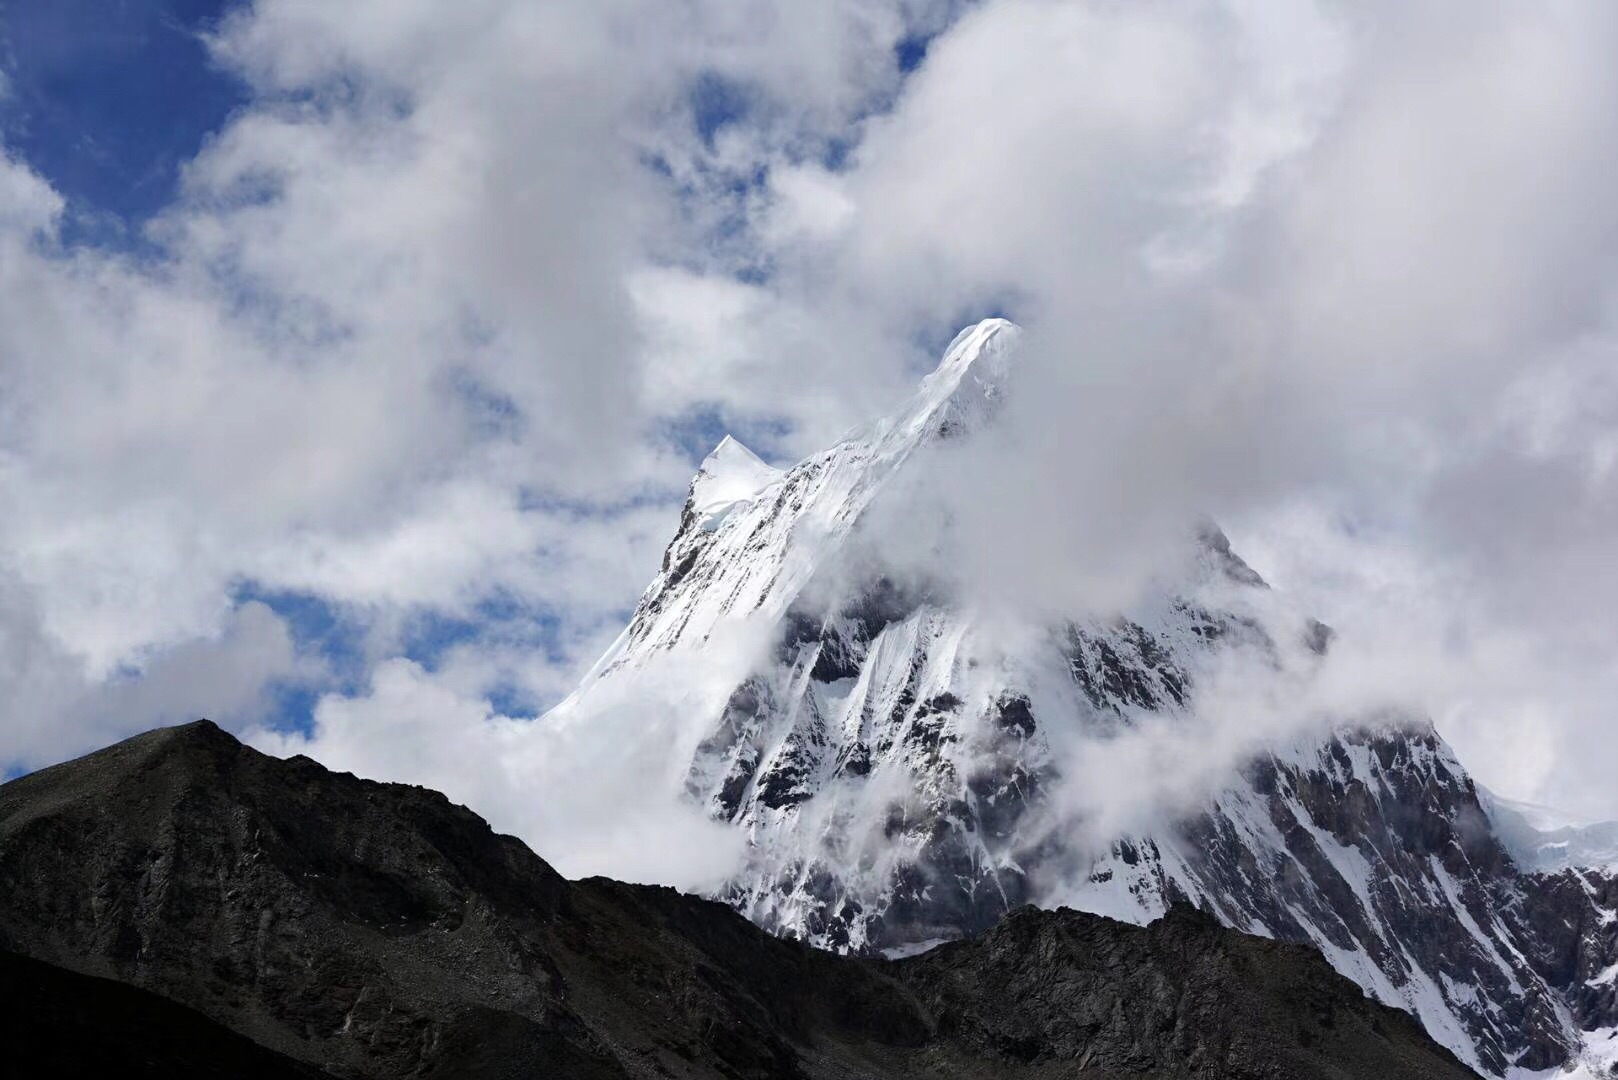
377, 930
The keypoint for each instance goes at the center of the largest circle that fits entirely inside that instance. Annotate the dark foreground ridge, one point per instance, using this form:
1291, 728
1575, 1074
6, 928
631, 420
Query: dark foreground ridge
59, 1023
377, 930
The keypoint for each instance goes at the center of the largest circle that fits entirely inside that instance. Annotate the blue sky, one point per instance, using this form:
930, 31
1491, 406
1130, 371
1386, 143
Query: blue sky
109, 98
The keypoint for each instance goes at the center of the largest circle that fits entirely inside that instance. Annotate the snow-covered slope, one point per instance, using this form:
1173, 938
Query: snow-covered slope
906, 767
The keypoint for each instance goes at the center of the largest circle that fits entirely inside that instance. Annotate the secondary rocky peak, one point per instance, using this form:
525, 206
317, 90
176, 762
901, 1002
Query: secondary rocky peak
1217, 551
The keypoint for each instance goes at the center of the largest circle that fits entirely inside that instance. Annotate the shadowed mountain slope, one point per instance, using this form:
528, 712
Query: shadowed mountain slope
60, 1023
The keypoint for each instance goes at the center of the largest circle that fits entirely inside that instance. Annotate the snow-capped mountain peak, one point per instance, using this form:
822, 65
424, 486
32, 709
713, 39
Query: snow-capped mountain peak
904, 767
751, 538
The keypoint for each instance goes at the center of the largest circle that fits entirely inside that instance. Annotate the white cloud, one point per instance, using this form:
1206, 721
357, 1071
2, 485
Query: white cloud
602, 798
28, 205
1374, 270
56, 707
430, 303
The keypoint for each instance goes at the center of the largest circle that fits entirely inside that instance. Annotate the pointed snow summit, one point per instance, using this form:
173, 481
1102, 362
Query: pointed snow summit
752, 538
904, 769
732, 475
960, 393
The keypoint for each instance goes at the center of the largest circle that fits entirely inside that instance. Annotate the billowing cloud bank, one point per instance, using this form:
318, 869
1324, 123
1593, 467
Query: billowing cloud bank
386, 425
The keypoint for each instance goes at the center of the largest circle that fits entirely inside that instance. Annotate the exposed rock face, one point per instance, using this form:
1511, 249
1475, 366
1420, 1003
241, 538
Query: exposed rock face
379, 931
1033, 988
296, 909
1374, 847
891, 757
